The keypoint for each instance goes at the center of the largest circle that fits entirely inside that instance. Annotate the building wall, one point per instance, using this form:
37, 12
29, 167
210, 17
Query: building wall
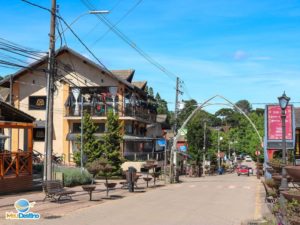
34, 84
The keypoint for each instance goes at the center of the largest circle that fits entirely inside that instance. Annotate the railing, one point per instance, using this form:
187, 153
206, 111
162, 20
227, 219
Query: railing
15, 164
101, 109
137, 156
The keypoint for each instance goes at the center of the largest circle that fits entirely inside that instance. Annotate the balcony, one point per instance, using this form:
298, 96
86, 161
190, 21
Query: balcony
98, 101
101, 110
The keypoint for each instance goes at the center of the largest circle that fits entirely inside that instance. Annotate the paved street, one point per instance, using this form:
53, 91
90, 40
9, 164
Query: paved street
214, 200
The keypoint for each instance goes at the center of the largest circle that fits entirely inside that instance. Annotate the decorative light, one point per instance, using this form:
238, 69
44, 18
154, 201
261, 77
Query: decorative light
283, 101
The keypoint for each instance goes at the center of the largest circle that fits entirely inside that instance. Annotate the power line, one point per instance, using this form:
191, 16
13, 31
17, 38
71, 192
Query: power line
119, 21
133, 45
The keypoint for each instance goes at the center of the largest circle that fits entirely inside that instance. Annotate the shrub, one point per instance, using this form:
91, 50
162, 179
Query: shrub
74, 176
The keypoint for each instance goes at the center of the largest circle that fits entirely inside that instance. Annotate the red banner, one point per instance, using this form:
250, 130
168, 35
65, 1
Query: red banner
275, 123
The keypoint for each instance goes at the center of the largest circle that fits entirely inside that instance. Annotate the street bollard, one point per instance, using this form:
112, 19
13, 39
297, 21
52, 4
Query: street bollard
131, 173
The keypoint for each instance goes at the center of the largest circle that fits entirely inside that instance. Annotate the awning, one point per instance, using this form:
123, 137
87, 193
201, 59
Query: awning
39, 123
138, 138
75, 136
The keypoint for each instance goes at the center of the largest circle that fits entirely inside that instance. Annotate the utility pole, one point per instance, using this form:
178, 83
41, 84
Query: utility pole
50, 90
81, 136
173, 156
176, 105
204, 149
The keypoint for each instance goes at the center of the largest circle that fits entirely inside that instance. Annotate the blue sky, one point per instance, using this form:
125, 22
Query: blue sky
241, 49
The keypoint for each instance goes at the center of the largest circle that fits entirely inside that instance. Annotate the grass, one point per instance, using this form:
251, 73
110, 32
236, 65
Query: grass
74, 176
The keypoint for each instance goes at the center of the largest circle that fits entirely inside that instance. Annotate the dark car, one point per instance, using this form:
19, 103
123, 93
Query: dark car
243, 169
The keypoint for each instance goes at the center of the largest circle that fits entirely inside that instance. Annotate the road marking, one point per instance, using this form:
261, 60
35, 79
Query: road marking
231, 187
192, 186
247, 187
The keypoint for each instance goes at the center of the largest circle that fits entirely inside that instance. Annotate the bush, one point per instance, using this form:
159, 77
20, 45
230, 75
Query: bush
74, 176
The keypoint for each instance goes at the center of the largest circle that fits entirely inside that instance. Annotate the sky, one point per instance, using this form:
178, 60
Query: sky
240, 49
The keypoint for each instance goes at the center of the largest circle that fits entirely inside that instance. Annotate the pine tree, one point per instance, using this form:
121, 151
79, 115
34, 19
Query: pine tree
112, 140
91, 145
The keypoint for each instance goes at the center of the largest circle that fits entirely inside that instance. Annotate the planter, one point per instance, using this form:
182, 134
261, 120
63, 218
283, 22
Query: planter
89, 189
270, 170
110, 185
293, 172
276, 167
295, 220
291, 195
147, 179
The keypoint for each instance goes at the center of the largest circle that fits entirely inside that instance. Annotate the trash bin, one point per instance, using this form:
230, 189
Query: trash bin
130, 175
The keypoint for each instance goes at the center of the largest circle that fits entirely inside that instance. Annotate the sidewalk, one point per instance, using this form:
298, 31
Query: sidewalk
50, 209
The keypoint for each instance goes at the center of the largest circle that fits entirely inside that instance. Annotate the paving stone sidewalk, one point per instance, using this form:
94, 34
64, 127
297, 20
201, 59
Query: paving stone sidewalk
51, 209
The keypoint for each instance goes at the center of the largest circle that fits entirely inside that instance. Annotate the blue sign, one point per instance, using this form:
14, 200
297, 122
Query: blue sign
182, 148
161, 142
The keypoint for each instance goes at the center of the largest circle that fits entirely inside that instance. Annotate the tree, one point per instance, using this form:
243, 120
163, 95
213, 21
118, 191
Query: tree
244, 105
150, 92
189, 107
195, 138
112, 140
91, 145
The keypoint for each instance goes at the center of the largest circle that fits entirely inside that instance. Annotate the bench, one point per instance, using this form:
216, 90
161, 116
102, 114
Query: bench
54, 190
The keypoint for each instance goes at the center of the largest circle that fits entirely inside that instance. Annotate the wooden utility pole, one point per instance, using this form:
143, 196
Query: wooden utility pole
50, 90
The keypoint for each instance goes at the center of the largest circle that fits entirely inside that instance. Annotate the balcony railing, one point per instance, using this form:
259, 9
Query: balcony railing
101, 109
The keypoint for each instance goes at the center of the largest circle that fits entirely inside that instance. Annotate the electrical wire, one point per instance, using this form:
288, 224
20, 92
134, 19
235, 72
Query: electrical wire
115, 24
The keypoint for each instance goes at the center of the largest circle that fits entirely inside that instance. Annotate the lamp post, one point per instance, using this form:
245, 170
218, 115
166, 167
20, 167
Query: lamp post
283, 103
95, 12
219, 157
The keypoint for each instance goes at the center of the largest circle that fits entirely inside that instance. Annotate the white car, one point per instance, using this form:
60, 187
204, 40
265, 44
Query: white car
248, 159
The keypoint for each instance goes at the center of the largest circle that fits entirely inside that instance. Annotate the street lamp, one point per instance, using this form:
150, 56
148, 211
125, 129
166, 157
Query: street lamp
283, 103
94, 12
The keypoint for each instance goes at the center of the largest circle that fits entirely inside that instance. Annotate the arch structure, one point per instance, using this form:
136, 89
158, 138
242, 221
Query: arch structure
203, 105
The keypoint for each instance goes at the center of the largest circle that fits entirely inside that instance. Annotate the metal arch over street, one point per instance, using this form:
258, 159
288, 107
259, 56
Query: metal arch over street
204, 104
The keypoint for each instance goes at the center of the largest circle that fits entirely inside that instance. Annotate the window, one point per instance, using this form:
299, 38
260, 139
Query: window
37, 102
39, 134
128, 128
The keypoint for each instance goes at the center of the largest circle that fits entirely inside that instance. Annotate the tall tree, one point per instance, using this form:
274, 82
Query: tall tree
244, 105
91, 145
150, 92
112, 140
195, 138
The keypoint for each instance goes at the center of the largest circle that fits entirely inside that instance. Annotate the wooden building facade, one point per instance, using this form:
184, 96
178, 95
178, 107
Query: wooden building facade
15, 165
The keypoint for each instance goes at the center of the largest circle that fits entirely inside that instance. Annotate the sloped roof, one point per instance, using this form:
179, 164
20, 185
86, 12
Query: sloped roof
12, 114
124, 74
5, 82
140, 84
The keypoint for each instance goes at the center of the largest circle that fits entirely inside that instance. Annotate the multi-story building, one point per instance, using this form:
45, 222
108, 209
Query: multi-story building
82, 83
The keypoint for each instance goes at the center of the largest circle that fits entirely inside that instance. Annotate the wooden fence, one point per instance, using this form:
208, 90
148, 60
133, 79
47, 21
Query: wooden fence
15, 164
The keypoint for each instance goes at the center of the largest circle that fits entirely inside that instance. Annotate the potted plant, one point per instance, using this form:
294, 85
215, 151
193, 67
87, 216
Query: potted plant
291, 195
270, 183
293, 172
293, 212
106, 170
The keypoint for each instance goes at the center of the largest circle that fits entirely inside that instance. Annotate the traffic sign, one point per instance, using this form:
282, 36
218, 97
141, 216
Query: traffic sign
257, 153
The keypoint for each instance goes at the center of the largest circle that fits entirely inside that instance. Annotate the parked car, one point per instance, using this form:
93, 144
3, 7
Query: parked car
248, 158
243, 169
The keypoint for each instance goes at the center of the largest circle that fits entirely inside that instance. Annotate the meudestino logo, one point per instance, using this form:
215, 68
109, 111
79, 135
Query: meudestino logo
23, 206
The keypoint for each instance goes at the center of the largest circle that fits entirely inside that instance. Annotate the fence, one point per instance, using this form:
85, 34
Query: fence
14, 164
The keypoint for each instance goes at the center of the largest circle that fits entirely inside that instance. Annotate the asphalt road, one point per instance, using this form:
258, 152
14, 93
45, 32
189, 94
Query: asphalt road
214, 200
